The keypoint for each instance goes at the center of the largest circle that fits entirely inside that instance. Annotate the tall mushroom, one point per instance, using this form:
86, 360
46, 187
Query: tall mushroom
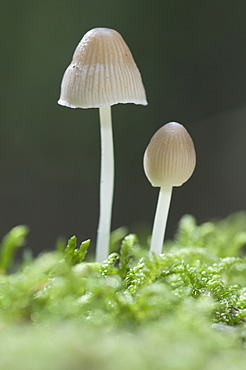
102, 73
169, 160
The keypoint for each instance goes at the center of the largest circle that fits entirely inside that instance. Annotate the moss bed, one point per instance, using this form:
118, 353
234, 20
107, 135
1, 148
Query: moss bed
183, 310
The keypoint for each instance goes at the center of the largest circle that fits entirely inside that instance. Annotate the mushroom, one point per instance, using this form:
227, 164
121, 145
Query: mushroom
169, 160
102, 73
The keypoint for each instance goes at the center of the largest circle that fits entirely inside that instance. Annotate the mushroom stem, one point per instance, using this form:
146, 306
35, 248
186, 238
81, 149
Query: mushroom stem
106, 183
160, 220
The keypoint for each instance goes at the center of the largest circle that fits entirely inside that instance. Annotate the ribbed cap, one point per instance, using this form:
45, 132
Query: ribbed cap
170, 157
102, 72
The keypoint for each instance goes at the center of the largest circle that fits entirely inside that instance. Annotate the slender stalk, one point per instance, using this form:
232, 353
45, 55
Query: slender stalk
160, 221
106, 184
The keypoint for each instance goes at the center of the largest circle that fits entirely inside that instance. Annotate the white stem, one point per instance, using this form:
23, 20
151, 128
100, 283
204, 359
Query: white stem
106, 184
160, 221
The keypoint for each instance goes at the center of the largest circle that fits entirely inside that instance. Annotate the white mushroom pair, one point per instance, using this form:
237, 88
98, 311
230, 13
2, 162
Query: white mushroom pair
103, 73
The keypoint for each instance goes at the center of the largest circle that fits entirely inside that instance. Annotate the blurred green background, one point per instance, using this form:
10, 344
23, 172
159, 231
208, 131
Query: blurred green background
192, 58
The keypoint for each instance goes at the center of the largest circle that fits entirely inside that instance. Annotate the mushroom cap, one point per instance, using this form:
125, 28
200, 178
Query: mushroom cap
170, 157
102, 72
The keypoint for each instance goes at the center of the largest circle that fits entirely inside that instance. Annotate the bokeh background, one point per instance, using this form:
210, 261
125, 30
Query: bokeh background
192, 58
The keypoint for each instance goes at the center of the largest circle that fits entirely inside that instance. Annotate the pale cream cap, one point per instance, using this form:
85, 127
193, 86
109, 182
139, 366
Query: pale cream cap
170, 157
102, 72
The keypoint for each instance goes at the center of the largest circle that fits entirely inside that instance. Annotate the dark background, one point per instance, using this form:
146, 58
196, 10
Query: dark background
192, 58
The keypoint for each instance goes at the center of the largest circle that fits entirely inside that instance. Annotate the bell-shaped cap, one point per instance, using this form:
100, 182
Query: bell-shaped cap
102, 72
170, 157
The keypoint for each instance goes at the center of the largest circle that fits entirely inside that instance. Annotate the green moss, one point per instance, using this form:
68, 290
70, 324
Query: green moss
183, 310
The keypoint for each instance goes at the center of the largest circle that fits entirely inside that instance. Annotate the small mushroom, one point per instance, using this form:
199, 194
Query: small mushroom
102, 73
169, 160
